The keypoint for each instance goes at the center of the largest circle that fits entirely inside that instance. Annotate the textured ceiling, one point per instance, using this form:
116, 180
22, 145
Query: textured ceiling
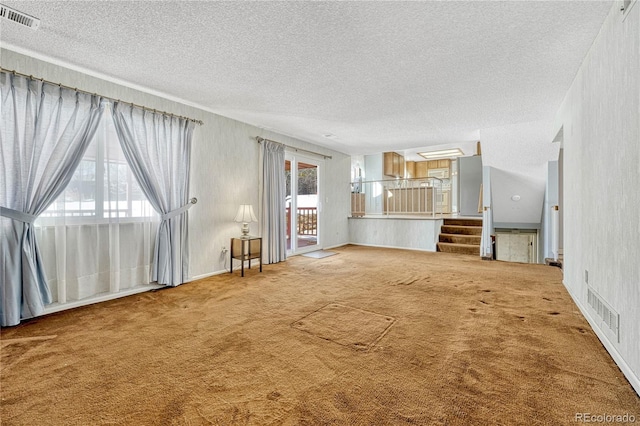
377, 75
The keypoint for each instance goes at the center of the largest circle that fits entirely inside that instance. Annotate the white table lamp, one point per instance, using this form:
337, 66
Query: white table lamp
245, 215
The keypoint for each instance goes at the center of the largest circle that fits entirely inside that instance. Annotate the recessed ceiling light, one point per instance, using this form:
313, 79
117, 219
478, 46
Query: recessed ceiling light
515, 197
455, 152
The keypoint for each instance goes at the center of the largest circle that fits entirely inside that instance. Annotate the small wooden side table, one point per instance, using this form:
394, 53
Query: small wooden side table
245, 248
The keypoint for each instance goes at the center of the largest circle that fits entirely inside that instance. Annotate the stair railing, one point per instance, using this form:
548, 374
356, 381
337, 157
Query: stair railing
392, 197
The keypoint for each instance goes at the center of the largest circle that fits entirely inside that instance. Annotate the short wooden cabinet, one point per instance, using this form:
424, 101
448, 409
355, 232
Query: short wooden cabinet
393, 164
357, 205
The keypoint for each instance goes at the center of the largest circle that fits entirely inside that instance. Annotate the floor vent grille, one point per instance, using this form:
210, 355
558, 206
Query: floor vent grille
18, 17
609, 317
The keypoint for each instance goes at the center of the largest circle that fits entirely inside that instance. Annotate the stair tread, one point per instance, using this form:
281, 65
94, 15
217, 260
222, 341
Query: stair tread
465, 249
466, 230
460, 238
463, 222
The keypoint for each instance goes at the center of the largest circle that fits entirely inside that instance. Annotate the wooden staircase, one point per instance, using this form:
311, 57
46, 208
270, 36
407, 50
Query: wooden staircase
460, 236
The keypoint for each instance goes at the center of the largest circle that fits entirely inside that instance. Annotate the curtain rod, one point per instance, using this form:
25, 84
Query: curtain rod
259, 139
200, 122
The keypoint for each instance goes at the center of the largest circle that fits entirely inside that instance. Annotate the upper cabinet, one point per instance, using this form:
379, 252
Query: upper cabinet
433, 168
439, 164
421, 169
393, 164
410, 169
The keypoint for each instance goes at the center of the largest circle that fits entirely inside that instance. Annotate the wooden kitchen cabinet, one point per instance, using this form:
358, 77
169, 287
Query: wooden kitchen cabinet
444, 164
393, 164
439, 164
357, 205
421, 169
410, 169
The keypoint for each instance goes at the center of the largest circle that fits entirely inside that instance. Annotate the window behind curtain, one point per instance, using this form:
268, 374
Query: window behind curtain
97, 237
103, 186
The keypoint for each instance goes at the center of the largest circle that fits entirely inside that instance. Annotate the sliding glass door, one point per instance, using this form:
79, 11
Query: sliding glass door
302, 203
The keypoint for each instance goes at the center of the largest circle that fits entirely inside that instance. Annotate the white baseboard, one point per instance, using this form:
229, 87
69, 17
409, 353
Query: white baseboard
55, 307
615, 355
207, 275
336, 246
392, 247
220, 272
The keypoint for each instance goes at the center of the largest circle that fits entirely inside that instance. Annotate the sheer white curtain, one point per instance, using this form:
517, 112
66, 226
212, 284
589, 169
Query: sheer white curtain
97, 237
274, 226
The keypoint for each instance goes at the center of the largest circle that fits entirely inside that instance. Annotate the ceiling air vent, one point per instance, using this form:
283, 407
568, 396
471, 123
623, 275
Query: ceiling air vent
18, 17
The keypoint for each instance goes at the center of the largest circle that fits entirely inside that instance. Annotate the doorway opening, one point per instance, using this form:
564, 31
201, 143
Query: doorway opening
560, 203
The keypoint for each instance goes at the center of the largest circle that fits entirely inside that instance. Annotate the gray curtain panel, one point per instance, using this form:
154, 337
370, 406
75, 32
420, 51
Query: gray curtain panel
274, 226
45, 132
158, 150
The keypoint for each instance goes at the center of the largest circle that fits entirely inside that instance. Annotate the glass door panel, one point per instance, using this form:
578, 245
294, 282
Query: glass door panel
302, 204
307, 206
287, 202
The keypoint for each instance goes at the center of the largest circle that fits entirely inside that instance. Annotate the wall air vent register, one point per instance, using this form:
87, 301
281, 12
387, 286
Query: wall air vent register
605, 313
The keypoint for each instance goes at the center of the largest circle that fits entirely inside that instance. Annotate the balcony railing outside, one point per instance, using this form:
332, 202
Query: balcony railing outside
307, 221
419, 197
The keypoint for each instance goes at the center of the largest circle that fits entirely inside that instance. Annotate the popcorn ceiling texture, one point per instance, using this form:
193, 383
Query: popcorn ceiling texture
378, 75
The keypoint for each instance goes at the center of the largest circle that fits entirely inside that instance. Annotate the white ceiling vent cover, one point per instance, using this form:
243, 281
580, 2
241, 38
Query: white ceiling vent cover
18, 17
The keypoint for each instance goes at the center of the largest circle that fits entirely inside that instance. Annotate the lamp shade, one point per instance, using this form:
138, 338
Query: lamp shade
245, 214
